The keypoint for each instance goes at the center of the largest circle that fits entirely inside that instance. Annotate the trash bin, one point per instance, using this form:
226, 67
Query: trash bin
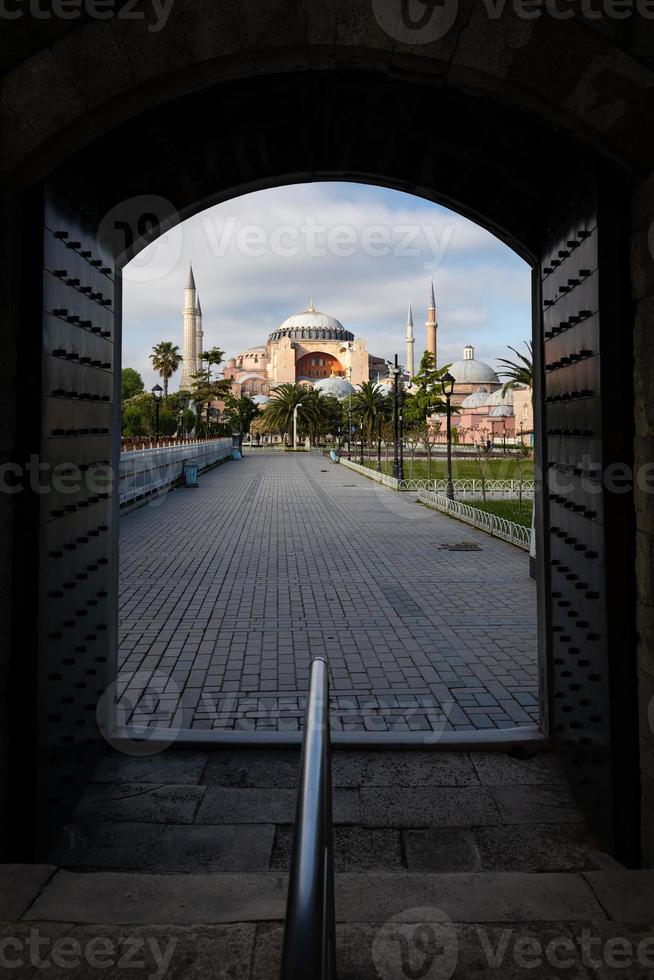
190, 473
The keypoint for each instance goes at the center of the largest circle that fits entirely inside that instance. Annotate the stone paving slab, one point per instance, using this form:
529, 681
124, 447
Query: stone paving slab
120, 802
449, 806
172, 847
355, 849
228, 591
106, 897
226, 805
19, 886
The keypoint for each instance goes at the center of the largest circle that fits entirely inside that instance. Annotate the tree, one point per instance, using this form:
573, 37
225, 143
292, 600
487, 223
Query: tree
139, 417
280, 409
131, 383
205, 389
367, 405
166, 359
331, 416
240, 413
211, 357
520, 372
427, 397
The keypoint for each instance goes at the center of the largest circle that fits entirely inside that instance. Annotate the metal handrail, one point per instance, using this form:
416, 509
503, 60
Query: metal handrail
309, 931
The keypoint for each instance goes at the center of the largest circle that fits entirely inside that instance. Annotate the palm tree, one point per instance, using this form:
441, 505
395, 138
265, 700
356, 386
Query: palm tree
240, 413
166, 359
368, 403
280, 409
521, 372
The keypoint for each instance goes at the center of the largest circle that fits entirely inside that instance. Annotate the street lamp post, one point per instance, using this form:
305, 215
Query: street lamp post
361, 443
447, 382
402, 397
504, 437
157, 391
379, 438
396, 419
349, 413
295, 411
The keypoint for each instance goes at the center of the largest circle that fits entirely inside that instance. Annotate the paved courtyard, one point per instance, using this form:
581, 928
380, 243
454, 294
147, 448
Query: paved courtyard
229, 590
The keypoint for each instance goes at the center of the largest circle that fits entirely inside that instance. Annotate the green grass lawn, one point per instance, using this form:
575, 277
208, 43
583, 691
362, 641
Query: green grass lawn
513, 510
462, 469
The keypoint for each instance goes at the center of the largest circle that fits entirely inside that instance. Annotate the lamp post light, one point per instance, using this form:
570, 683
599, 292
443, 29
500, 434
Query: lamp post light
447, 382
157, 391
361, 443
396, 419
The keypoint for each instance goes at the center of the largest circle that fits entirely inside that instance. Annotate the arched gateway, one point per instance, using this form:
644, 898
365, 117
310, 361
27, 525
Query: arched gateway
147, 127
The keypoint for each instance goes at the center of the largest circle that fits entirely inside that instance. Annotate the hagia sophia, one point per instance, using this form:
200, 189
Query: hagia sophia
314, 348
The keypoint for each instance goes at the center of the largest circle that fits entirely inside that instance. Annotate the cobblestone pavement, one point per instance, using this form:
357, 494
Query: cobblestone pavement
229, 590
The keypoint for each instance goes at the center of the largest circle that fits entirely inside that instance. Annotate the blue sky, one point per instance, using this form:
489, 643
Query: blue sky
360, 252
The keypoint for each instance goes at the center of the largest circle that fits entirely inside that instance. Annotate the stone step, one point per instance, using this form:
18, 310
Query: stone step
230, 925
261, 847
180, 899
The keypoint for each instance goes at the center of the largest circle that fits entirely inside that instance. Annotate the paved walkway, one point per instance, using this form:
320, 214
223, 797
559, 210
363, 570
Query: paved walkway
229, 590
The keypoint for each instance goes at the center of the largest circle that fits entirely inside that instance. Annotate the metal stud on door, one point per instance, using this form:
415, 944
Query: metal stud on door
70, 524
586, 413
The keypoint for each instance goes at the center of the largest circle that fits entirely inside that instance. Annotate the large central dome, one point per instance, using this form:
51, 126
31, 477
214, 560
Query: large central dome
311, 324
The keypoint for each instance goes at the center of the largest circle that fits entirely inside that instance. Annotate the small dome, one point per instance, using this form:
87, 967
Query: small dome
470, 371
338, 387
497, 398
500, 411
477, 399
260, 399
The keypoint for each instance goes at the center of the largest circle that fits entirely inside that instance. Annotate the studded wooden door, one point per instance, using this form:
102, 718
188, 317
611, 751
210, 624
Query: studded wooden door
65, 614
587, 558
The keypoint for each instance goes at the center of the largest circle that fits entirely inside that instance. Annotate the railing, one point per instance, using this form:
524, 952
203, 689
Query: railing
467, 488
144, 472
309, 932
498, 527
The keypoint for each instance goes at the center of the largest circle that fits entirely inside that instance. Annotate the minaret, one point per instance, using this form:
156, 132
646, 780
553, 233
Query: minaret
432, 323
410, 344
189, 364
198, 335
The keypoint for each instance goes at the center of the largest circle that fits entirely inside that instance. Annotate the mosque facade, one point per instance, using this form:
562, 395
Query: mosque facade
315, 349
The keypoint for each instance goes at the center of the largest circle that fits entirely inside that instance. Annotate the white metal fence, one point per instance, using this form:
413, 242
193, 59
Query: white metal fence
498, 527
494, 489
383, 478
146, 471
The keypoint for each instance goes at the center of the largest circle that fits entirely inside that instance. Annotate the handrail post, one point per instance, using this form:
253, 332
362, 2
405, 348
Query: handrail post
309, 932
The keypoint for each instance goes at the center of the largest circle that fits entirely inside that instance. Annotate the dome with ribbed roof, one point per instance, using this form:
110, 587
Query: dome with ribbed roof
470, 371
477, 399
500, 411
311, 324
497, 398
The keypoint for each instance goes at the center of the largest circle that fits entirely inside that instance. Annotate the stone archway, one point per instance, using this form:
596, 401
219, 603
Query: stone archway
200, 126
